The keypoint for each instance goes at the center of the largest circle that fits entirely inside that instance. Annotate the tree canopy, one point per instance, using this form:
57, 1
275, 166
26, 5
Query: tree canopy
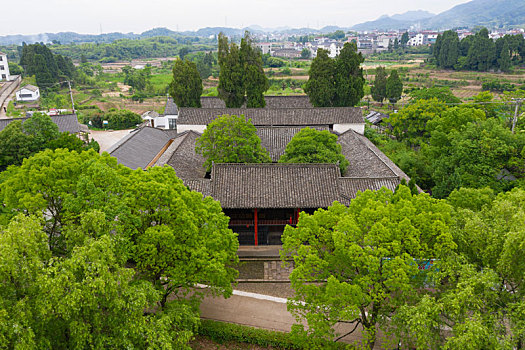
241, 73
314, 146
378, 91
231, 139
394, 87
336, 82
186, 84
20, 140
360, 264
478, 52
106, 264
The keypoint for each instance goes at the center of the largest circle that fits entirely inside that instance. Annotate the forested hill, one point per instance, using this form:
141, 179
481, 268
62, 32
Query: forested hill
488, 13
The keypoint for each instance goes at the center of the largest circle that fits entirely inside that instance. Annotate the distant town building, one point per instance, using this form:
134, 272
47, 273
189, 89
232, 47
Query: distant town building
28, 93
287, 53
4, 68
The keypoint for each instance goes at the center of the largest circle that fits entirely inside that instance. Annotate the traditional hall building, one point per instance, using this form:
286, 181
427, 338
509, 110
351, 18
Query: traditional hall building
261, 199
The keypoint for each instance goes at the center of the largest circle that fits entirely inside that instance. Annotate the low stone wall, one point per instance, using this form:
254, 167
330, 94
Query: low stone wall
8, 89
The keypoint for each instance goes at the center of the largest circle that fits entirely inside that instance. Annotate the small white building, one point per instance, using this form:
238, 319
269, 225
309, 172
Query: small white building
4, 68
28, 93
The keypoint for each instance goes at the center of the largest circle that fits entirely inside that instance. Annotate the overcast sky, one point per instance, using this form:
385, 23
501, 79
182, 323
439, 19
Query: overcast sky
90, 16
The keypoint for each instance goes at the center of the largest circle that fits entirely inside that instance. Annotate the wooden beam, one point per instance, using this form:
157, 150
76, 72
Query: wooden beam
256, 224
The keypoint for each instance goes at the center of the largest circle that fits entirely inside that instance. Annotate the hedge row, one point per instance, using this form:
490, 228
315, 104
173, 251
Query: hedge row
221, 332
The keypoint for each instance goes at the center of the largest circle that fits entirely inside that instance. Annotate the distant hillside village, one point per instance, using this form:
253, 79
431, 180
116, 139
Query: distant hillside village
368, 42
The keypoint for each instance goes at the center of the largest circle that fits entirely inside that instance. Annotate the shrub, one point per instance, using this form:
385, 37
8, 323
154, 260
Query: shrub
221, 332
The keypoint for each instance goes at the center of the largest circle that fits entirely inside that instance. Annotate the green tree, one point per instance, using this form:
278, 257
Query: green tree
379, 89
138, 79
186, 84
404, 39
305, 53
320, 86
476, 155
359, 264
15, 145
314, 146
255, 81
231, 139
504, 58
348, 77
336, 82
183, 52
482, 51
409, 124
446, 49
443, 94
119, 119
394, 87
231, 75
85, 300
93, 229
482, 302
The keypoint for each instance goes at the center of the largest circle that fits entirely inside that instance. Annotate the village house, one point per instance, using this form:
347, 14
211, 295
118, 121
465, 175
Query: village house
261, 199
4, 68
28, 93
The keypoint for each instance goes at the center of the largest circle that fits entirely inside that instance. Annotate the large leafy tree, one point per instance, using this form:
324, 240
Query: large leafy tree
186, 84
231, 139
314, 146
231, 75
476, 155
21, 140
93, 231
409, 124
482, 303
394, 87
85, 300
359, 264
336, 82
255, 81
379, 89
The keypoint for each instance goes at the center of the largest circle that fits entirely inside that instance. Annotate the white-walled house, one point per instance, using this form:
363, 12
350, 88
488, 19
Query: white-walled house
28, 93
4, 68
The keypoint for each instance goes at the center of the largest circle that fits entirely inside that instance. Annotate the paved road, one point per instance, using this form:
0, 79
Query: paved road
260, 311
108, 138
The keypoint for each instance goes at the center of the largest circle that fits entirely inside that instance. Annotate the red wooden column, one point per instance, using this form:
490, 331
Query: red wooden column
256, 224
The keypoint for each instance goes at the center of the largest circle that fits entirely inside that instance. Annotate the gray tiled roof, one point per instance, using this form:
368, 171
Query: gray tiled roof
381, 156
65, 122
300, 101
364, 157
171, 107
182, 157
276, 138
275, 116
29, 87
200, 185
140, 147
350, 186
275, 185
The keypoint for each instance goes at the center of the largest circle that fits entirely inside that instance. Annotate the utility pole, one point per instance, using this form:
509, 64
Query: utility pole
71, 95
518, 106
